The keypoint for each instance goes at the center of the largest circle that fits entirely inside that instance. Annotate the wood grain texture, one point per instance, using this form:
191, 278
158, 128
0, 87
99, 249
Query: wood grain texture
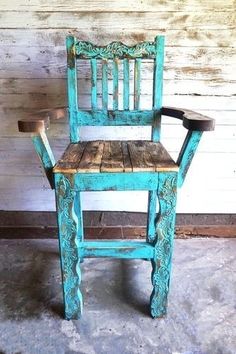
182, 37
136, 20
191, 120
114, 157
39, 121
92, 157
71, 157
114, 6
126, 157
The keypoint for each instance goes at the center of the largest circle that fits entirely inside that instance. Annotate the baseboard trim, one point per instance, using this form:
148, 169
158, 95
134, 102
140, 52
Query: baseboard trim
37, 224
181, 232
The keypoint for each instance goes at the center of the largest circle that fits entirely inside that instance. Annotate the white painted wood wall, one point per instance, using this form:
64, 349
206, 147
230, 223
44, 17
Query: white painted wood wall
200, 74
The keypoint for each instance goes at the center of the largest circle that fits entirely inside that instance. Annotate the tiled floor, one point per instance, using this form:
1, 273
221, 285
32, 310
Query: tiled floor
201, 317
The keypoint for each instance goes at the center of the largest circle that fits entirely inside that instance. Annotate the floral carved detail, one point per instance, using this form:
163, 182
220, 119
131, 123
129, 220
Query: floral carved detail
88, 50
163, 244
68, 226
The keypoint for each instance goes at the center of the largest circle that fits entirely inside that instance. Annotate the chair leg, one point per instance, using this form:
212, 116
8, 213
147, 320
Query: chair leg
151, 219
70, 234
165, 224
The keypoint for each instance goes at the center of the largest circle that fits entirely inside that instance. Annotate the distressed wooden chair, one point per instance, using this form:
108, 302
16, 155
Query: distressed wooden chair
115, 165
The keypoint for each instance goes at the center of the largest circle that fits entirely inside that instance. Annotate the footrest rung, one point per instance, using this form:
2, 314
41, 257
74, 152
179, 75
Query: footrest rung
116, 249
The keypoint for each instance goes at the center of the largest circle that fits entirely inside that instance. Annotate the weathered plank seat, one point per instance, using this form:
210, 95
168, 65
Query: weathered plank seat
115, 165
115, 156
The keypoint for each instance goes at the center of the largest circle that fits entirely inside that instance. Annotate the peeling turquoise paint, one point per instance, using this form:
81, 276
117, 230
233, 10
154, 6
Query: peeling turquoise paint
157, 86
117, 249
70, 231
163, 243
162, 186
72, 88
115, 118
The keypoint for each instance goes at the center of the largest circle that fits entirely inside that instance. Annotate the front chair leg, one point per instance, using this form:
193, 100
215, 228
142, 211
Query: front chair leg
70, 234
165, 225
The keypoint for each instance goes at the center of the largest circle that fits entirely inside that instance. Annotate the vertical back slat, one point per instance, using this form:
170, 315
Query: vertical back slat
115, 84
126, 83
137, 83
93, 83
157, 86
104, 84
72, 88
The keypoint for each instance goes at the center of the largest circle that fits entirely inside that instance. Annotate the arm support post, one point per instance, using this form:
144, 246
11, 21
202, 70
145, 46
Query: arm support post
196, 124
36, 124
187, 153
45, 154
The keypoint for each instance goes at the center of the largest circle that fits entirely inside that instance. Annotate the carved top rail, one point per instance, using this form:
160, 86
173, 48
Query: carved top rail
87, 50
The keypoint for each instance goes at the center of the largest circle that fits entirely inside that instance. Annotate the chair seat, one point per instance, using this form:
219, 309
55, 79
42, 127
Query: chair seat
115, 156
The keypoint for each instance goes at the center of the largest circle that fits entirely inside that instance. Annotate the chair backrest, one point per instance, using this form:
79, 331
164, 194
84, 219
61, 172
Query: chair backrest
122, 63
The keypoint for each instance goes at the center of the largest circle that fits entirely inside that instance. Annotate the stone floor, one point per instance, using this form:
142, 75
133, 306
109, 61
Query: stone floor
201, 317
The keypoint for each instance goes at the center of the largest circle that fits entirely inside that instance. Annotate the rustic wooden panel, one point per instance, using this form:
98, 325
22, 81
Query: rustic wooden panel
43, 200
174, 56
134, 20
183, 37
116, 6
57, 87
185, 72
190, 102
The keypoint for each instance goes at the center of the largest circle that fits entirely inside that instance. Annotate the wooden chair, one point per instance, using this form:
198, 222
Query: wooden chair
115, 165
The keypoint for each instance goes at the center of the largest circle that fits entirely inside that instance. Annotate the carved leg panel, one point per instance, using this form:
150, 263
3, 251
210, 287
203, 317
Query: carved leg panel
165, 224
70, 234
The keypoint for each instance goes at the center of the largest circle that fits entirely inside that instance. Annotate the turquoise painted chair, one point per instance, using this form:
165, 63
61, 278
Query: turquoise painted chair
115, 165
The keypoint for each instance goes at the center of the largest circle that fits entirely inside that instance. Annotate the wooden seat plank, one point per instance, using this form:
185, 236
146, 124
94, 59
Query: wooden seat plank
141, 159
126, 157
92, 157
115, 156
112, 160
161, 159
70, 158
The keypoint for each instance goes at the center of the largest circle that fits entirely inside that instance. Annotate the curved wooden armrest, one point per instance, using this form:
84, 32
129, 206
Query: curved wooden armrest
191, 120
40, 121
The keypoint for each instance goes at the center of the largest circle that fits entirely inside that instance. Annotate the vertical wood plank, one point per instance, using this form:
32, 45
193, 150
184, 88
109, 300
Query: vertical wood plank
115, 84
92, 157
112, 159
126, 157
72, 88
157, 86
104, 84
126, 83
137, 83
93, 63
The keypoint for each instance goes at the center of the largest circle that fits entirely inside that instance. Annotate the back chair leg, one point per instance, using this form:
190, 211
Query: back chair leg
70, 234
163, 243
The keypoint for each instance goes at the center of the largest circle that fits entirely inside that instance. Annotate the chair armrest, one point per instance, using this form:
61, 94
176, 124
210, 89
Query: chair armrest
36, 124
196, 124
191, 120
40, 121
